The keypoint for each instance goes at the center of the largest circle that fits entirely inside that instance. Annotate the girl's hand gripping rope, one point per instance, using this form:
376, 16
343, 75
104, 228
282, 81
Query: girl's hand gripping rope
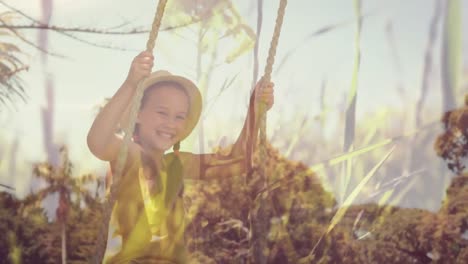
264, 94
141, 67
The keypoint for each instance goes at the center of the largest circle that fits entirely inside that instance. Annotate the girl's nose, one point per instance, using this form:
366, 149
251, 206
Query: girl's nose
171, 122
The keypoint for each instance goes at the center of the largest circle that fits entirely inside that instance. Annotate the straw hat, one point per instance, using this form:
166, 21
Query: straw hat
194, 94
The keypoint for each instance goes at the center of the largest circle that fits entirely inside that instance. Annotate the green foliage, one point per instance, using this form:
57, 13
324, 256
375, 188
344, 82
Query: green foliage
21, 242
82, 230
11, 86
452, 145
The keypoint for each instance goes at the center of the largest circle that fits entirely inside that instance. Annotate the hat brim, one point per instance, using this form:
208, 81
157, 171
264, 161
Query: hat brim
192, 90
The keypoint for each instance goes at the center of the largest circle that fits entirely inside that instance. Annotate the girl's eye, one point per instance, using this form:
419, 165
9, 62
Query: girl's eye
181, 117
162, 113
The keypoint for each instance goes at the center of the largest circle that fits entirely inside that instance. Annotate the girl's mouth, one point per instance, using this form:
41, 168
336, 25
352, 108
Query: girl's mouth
165, 134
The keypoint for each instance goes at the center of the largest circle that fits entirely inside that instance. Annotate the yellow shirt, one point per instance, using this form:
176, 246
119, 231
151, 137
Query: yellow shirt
155, 209
141, 227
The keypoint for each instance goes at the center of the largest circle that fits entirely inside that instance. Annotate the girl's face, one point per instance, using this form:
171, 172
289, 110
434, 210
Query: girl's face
163, 117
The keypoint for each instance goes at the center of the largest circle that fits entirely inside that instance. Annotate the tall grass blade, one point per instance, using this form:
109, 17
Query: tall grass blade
349, 200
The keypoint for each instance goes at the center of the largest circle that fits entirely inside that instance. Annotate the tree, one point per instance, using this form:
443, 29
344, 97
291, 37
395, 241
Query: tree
62, 182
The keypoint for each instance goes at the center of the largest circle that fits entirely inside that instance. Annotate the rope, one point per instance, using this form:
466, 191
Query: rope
266, 78
260, 214
136, 103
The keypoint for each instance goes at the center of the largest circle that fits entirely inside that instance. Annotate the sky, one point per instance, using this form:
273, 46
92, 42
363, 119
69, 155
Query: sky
89, 74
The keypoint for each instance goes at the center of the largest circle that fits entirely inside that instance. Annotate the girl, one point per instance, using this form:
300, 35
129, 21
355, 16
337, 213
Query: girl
147, 223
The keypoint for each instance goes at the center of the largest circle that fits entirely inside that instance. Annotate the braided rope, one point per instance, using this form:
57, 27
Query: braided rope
135, 106
260, 214
266, 79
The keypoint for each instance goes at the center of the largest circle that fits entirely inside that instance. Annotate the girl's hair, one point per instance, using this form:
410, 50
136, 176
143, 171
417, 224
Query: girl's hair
175, 170
174, 182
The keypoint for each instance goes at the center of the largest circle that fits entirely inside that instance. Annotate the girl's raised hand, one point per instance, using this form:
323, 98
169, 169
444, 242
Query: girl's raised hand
141, 67
264, 93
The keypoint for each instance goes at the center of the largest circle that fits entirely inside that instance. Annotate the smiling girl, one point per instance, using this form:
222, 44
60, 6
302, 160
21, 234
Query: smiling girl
147, 223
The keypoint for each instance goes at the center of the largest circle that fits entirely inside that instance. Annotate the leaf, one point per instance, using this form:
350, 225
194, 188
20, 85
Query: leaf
349, 200
350, 121
385, 197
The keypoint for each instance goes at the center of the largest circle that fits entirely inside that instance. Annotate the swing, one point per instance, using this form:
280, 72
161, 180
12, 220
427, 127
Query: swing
136, 103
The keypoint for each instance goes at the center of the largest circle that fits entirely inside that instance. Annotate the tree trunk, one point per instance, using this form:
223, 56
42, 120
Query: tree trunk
64, 244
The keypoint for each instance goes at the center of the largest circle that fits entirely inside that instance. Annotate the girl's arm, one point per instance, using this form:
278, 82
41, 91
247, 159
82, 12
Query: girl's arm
204, 166
248, 136
102, 140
